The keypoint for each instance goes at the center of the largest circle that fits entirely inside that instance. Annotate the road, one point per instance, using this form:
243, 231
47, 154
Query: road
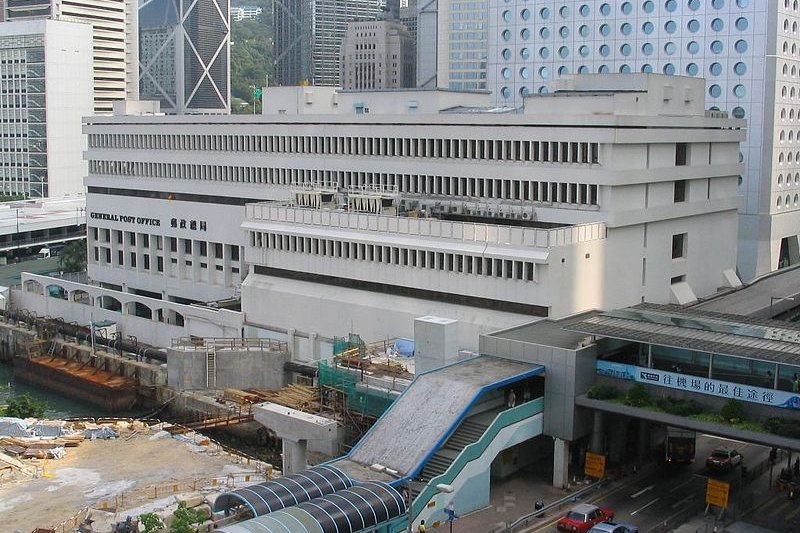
670, 491
10, 274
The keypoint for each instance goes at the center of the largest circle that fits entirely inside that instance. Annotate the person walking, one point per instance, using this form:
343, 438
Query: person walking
421, 527
512, 399
796, 383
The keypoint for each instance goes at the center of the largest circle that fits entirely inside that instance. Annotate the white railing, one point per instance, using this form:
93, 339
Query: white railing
430, 227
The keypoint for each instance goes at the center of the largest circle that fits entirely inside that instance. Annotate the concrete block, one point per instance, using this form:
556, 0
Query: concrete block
435, 343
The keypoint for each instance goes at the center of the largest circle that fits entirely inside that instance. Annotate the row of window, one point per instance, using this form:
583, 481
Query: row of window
408, 257
104, 235
523, 190
103, 255
482, 149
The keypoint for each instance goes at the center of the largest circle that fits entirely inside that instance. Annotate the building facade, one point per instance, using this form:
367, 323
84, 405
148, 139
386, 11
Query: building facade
307, 37
46, 89
377, 54
452, 44
746, 50
114, 41
184, 55
245, 13
554, 213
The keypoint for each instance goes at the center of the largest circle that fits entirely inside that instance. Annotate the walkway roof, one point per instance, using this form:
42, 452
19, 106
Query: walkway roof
349, 510
285, 491
694, 329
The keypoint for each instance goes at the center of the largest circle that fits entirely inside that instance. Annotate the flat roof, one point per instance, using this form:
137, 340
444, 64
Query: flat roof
547, 332
695, 329
31, 215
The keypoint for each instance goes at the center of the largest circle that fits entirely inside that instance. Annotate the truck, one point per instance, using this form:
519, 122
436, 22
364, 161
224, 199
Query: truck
50, 251
674, 445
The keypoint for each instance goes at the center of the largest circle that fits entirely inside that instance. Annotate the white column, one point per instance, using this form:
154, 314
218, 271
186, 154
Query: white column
560, 463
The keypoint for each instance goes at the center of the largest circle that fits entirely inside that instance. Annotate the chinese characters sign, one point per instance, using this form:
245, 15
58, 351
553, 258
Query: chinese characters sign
182, 223
713, 387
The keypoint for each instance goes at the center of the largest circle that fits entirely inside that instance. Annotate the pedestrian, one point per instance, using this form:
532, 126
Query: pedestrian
769, 381
797, 468
796, 383
512, 399
421, 527
526, 395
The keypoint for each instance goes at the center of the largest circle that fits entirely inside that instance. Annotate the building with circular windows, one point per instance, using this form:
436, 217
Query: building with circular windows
728, 42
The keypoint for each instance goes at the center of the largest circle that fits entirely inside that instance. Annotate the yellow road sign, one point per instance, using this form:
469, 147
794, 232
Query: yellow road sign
595, 465
717, 493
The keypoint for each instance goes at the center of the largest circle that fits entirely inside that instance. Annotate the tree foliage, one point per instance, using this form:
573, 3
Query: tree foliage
251, 57
151, 522
185, 519
637, 396
25, 406
73, 256
732, 410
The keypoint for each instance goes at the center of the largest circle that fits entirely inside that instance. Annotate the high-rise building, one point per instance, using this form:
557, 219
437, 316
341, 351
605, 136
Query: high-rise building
377, 54
452, 44
245, 13
308, 34
408, 16
41, 146
747, 50
114, 40
184, 55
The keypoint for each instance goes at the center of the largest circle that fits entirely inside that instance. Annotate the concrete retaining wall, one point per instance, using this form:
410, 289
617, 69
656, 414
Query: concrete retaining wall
235, 369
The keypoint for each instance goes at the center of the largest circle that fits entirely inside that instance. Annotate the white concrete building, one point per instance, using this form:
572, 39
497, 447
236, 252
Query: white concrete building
616, 191
746, 49
114, 41
46, 90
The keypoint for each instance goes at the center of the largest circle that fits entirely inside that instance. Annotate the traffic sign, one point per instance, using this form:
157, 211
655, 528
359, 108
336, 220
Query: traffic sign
595, 465
717, 493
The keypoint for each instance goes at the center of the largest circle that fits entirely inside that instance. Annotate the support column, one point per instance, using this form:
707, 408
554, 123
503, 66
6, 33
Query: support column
643, 440
560, 463
598, 429
290, 342
294, 455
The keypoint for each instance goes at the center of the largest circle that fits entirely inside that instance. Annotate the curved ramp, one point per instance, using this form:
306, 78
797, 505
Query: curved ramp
358, 508
285, 491
429, 411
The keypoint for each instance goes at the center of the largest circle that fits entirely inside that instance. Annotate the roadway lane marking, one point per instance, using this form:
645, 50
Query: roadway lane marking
686, 499
779, 510
645, 507
673, 489
792, 514
637, 494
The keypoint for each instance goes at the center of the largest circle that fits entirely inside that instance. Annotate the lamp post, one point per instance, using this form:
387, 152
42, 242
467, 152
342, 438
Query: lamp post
773, 299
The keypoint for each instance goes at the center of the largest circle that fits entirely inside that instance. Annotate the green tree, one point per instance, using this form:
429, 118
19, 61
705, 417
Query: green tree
25, 406
732, 410
637, 396
185, 520
151, 522
73, 256
251, 58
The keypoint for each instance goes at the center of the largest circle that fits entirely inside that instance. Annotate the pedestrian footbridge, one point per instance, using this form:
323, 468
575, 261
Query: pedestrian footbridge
445, 429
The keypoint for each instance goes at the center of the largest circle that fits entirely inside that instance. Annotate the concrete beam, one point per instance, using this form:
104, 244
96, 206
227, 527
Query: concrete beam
294, 425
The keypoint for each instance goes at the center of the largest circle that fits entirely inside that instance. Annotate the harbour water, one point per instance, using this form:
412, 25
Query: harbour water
57, 406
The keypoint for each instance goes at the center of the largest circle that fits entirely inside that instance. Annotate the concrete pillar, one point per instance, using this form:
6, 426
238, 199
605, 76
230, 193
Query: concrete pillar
294, 455
313, 343
643, 440
560, 463
597, 433
290, 341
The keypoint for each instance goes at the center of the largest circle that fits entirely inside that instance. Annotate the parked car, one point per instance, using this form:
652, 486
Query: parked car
723, 460
611, 527
582, 517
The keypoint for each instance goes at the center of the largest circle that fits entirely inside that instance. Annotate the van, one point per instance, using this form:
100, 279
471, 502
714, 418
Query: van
50, 251
43, 253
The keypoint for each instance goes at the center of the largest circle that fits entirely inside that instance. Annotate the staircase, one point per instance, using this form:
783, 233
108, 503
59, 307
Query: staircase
211, 368
468, 432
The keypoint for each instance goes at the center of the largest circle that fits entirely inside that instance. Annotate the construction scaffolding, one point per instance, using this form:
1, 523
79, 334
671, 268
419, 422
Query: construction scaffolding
360, 398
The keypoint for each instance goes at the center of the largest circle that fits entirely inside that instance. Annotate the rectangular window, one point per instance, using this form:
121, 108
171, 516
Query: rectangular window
677, 279
679, 245
679, 191
681, 154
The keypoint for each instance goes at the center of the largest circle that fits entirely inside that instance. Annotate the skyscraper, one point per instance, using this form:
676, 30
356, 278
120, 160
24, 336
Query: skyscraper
746, 49
41, 146
377, 54
114, 39
308, 34
184, 55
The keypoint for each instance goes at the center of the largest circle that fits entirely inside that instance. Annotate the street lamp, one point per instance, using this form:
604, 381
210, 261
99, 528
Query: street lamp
773, 299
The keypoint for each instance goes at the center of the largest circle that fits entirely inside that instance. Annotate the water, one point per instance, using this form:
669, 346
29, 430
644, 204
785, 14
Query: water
57, 406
